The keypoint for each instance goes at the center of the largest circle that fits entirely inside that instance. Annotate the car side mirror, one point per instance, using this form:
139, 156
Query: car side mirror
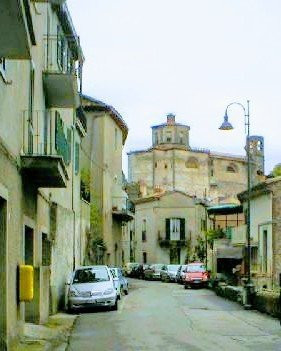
68, 282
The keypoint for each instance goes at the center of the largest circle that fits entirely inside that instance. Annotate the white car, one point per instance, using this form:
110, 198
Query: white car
120, 282
92, 286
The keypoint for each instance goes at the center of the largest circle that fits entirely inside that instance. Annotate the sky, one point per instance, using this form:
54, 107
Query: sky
148, 58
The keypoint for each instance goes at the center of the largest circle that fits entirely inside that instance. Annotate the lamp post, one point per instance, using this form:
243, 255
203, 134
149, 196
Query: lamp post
226, 125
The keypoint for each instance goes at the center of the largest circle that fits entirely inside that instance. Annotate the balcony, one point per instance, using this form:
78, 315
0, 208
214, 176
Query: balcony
62, 72
46, 150
167, 243
54, 2
17, 32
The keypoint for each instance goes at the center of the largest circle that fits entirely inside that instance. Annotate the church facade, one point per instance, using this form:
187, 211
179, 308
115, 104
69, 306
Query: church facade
172, 164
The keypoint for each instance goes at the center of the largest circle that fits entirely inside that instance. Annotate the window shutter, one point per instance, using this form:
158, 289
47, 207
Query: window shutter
77, 146
167, 228
182, 229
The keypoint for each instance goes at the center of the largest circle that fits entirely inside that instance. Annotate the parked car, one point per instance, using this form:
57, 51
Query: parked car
92, 286
128, 268
168, 272
180, 274
196, 275
120, 282
152, 272
138, 271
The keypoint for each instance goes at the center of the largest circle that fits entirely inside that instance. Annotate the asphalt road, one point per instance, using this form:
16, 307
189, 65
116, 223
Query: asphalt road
163, 316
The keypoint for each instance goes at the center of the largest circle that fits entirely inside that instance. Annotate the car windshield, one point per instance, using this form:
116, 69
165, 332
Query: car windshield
195, 268
157, 266
90, 275
173, 267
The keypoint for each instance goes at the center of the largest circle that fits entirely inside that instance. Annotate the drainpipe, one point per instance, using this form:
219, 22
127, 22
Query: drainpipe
72, 187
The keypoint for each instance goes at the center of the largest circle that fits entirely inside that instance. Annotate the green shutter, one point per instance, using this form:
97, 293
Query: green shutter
77, 146
182, 229
167, 228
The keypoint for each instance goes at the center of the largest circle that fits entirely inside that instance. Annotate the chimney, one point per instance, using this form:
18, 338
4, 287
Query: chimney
171, 119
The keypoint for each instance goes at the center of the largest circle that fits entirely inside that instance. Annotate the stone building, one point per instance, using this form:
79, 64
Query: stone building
172, 164
265, 232
101, 157
40, 135
167, 227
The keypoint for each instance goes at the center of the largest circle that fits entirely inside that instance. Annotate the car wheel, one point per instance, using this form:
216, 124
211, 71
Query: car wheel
115, 306
126, 291
185, 286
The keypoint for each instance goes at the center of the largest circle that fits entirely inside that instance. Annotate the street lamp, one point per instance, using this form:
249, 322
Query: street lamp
226, 125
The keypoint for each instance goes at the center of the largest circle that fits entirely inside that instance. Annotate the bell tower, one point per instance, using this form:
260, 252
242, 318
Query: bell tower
256, 146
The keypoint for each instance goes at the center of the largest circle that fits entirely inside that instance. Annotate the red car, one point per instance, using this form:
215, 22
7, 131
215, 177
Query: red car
196, 275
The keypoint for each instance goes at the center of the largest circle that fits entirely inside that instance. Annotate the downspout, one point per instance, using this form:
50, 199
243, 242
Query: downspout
72, 189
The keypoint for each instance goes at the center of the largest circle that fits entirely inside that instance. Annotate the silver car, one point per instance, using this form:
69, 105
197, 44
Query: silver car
92, 286
120, 282
169, 272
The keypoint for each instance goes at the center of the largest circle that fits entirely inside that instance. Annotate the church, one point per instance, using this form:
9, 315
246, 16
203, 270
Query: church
172, 164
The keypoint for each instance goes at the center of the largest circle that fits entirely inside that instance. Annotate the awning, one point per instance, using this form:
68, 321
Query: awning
225, 209
230, 252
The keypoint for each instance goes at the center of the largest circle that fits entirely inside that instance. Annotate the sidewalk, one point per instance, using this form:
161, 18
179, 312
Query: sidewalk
51, 336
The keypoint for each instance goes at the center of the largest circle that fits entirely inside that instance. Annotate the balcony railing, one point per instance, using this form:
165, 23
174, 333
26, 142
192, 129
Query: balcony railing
166, 243
62, 71
46, 148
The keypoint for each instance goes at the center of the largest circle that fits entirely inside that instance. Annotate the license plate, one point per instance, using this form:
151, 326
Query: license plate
196, 281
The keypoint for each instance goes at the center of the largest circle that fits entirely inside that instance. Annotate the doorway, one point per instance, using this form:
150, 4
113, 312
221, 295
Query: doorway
175, 255
3, 279
28, 260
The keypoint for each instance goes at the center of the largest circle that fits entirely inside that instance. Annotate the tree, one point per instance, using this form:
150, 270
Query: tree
276, 172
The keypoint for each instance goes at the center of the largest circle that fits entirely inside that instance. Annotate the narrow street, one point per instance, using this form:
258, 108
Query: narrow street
163, 316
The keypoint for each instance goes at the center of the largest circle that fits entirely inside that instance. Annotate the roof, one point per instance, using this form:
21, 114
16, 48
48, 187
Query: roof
225, 209
170, 125
259, 189
228, 156
157, 196
99, 106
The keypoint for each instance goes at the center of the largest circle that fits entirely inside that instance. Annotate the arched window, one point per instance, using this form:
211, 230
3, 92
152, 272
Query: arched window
231, 168
192, 162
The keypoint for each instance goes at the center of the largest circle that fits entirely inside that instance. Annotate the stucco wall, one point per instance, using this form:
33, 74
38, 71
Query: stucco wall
174, 205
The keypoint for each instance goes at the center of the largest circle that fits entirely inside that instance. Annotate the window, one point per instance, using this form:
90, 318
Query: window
212, 172
46, 250
168, 137
77, 156
175, 229
192, 162
61, 49
166, 166
181, 138
143, 232
254, 258
231, 168
144, 257
155, 164
264, 254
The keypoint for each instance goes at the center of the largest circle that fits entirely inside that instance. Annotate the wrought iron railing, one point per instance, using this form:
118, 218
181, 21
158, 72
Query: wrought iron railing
44, 133
59, 56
